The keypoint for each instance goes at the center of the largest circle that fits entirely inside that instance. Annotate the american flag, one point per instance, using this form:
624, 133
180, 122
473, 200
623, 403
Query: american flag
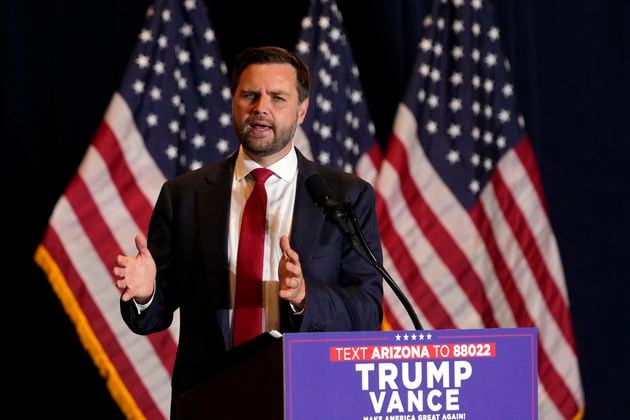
461, 205
171, 114
337, 130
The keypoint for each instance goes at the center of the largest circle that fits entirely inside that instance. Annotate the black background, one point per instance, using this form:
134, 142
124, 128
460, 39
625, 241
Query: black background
62, 60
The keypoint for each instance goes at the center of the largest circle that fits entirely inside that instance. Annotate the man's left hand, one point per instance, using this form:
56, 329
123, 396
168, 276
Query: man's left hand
292, 285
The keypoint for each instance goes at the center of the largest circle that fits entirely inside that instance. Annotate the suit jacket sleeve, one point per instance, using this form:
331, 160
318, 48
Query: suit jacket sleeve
159, 315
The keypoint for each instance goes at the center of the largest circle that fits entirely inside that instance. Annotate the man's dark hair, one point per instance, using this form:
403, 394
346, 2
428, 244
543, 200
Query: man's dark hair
273, 55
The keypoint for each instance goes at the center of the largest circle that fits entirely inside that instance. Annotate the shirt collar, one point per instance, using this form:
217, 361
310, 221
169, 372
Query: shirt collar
285, 168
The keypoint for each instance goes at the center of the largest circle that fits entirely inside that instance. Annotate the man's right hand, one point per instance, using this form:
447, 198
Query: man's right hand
135, 274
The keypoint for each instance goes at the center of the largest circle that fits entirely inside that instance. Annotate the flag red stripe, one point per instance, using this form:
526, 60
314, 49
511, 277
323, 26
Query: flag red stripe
96, 229
526, 155
501, 269
420, 291
524, 151
93, 224
525, 238
101, 329
139, 207
442, 242
556, 387
376, 155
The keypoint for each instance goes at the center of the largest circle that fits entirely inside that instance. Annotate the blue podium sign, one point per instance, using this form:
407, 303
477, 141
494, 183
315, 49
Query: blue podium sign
412, 375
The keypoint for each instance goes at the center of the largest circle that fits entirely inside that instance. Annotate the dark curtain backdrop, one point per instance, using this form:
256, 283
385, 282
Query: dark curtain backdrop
63, 60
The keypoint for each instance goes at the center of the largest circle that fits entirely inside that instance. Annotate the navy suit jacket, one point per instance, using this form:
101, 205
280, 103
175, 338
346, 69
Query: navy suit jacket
188, 240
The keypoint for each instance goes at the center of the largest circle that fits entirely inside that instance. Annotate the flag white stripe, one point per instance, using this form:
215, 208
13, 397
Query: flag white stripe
365, 169
525, 195
547, 409
96, 176
91, 269
552, 341
436, 274
453, 217
146, 173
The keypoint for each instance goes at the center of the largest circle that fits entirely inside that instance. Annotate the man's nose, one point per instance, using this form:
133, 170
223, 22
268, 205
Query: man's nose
261, 106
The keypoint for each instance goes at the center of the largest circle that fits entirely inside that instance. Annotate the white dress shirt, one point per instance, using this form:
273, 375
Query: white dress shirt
280, 189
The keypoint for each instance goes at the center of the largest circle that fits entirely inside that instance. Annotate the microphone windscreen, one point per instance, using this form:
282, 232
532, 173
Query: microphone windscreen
318, 189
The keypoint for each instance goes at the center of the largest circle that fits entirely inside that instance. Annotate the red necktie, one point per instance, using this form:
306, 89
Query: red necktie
249, 263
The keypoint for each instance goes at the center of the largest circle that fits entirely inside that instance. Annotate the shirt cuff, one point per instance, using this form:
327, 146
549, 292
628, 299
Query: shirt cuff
294, 310
142, 306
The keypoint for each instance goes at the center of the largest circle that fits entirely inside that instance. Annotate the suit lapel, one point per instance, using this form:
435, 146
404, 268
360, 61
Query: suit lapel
307, 217
212, 213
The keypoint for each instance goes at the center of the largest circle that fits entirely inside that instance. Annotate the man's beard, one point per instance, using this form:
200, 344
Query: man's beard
254, 147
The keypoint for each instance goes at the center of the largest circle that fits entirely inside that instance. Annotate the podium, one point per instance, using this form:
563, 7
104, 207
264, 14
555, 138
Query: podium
377, 375
249, 384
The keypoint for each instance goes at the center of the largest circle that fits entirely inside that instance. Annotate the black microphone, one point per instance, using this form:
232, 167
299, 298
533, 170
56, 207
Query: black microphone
334, 212
322, 196
337, 213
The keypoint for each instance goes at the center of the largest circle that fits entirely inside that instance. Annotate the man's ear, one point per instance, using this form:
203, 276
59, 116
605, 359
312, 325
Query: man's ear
302, 108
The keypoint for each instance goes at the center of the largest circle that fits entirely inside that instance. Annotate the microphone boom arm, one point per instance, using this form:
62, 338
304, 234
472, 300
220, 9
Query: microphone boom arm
369, 256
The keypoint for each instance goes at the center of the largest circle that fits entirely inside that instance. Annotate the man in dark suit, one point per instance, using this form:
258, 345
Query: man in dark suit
312, 278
